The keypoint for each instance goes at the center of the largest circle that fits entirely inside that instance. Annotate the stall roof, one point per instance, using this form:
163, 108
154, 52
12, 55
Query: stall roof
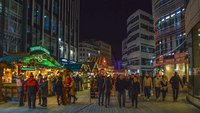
91, 64
10, 59
73, 67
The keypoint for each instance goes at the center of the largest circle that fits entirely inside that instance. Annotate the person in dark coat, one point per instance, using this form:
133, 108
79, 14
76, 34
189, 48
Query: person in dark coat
44, 92
121, 86
31, 88
58, 89
175, 81
100, 86
40, 81
108, 87
135, 86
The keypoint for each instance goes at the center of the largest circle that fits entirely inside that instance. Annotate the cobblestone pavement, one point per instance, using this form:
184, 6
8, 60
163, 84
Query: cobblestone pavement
84, 105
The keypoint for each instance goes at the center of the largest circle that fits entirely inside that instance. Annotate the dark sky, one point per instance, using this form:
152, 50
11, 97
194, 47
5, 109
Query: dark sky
106, 20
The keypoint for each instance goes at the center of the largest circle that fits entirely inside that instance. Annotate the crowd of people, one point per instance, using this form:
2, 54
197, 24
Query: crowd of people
33, 88
136, 85
131, 86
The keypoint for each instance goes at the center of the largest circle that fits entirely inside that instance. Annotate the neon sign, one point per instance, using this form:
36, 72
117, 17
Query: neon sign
39, 48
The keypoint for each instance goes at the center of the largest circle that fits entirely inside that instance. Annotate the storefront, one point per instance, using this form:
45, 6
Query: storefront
167, 65
192, 22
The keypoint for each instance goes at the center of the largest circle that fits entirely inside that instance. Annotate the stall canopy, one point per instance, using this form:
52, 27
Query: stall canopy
38, 56
73, 67
86, 66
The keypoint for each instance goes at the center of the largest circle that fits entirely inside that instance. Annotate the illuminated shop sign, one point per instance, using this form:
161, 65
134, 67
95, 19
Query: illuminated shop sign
27, 69
39, 48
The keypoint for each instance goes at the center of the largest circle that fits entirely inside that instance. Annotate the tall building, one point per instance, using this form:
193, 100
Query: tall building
87, 50
192, 28
138, 47
53, 24
105, 51
170, 37
92, 48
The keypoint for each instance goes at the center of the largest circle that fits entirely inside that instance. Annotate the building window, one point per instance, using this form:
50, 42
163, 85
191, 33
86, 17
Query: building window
135, 28
147, 62
133, 20
134, 37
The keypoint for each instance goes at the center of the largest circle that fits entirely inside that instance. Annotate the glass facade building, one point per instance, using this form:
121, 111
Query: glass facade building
193, 42
170, 37
53, 24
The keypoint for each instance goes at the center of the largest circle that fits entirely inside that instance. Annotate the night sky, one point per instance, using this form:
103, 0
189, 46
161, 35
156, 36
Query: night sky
106, 20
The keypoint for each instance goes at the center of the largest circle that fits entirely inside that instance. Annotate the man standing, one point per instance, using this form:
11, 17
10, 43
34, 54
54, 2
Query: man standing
31, 87
44, 92
175, 80
147, 85
108, 87
120, 87
40, 82
19, 82
100, 86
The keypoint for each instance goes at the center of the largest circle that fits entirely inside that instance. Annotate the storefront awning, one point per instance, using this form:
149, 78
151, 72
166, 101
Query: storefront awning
10, 59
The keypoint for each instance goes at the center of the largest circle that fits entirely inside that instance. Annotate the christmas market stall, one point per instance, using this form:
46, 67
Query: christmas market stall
37, 61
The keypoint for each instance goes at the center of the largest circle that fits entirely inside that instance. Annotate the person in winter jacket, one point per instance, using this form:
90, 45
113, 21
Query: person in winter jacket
135, 86
73, 90
121, 86
31, 88
44, 92
58, 89
100, 86
67, 84
157, 86
40, 81
147, 85
20, 89
175, 81
164, 85
108, 87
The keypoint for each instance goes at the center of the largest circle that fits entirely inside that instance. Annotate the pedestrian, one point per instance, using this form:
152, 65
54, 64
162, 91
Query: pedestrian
58, 89
128, 85
164, 86
108, 87
53, 82
77, 80
175, 81
121, 86
73, 90
40, 81
147, 85
31, 88
135, 86
184, 79
67, 83
20, 89
100, 86
157, 86
44, 92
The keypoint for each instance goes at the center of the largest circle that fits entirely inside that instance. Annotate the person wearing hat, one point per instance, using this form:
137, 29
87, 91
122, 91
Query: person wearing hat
44, 92
31, 88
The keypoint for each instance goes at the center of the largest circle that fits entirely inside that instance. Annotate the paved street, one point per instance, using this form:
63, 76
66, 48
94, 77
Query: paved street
83, 106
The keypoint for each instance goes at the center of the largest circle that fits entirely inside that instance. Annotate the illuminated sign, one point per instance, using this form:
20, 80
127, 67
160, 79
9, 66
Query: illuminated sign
27, 69
39, 48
